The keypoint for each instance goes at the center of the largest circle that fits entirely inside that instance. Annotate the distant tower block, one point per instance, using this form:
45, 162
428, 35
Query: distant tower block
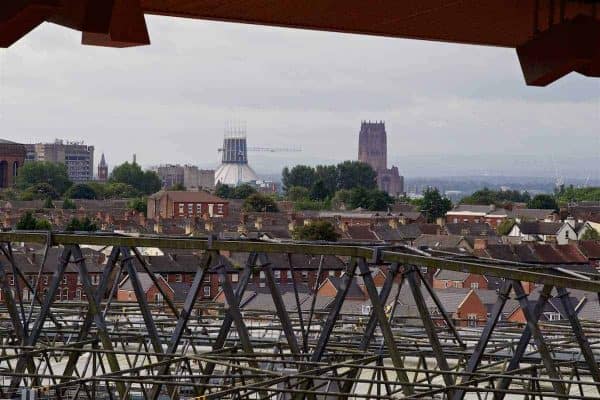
372, 145
372, 150
103, 170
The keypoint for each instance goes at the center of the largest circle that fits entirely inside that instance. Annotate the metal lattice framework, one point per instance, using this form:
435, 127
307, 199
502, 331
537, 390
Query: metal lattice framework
102, 348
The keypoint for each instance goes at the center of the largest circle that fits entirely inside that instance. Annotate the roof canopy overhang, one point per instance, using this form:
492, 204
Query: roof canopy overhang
552, 37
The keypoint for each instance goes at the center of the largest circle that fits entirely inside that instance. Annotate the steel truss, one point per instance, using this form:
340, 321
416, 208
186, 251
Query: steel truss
104, 349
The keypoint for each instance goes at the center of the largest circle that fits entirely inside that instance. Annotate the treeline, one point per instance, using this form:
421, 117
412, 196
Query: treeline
486, 196
350, 184
571, 194
506, 198
41, 180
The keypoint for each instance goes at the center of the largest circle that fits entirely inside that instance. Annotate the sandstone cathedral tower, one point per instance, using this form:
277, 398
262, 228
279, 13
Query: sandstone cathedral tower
372, 150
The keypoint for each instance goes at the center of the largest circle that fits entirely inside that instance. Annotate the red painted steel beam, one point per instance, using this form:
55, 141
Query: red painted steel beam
565, 48
115, 23
19, 17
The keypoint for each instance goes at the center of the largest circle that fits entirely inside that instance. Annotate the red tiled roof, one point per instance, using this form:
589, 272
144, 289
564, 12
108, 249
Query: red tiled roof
361, 232
591, 248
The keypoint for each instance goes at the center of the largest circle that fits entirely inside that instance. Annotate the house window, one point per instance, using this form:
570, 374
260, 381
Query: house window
366, 309
78, 294
456, 220
305, 276
12, 280
289, 274
95, 279
262, 275
179, 278
277, 274
552, 316
158, 298
45, 279
457, 284
198, 208
424, 270
190, 209
181, 209
447, 284
206, 290
219, 208
474, 285
331, 272
235, 277
65, 294
65, 281
472, 320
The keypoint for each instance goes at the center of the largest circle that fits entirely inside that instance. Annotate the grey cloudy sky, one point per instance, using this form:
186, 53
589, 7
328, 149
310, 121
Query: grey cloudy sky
449, 109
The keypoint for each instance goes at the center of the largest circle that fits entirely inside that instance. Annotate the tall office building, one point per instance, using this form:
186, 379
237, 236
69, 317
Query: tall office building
78, 157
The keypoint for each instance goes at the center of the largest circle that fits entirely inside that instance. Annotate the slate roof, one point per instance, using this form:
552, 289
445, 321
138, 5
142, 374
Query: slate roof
473, 229
145, 282
531, 213
354, 290
535, 253
439, 241
403, 232
540, 228
449, 275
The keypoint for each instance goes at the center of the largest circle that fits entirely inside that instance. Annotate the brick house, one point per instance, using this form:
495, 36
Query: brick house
179, 204
444, 279
151, 291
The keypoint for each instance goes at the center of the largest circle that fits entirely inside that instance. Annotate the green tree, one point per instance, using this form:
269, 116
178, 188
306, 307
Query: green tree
505, 227
300, 175
297, 193
69, 204
120, 191
571, 194
178, 187
304, 205
83, 225
48, 203
223, 191
28, 222
82, 191
258, 202
319, 191
318, 230
39, 191
433, 205
379, 200
543, 201
353, 174
243, 191
140, 205
486, 196
590, 234
37, 172
147, 182
99, 188
329, 175
342, 199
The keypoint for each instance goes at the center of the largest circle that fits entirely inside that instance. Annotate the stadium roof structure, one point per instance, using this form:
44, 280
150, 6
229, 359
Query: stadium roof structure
552, 37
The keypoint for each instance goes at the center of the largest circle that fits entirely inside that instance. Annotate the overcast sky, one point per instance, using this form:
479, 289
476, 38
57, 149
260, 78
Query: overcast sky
449, 109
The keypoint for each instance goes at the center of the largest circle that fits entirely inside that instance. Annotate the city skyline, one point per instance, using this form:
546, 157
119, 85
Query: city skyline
174, 99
